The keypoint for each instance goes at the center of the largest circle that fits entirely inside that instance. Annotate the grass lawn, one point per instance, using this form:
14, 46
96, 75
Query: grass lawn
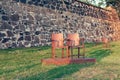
24, 64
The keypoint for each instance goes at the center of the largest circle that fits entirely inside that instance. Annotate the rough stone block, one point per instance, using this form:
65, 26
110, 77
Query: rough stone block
10, 33
14, 17
5, 40
32, 24
5, 17
2, 35
5, 25
28, 38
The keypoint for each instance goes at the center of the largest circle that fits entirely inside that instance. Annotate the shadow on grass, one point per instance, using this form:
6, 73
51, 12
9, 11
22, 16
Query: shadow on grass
67, 70
27, 67
57, 73
99, 54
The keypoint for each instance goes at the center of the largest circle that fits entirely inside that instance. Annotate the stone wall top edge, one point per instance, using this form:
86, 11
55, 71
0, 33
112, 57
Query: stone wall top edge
91, 5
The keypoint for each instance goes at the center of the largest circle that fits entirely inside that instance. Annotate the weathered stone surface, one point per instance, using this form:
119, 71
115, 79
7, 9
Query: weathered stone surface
10, 34
27, 44
2, 11
23, 1
38, 17
14, 17
74, 6
20, 44
28, 38
8, 45
22, 27
27, 33
37, 39
29, 25
14, 45
14, 38
37, 32
0, 39
27, 22
17, 27
5, 25
0, 6
2, 35
5, 17
13, 23
30, 17
20, 39
21, 34
5, 40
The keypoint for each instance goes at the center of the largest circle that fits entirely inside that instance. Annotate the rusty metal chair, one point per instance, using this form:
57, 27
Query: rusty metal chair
58, 42
105, 42
73, 41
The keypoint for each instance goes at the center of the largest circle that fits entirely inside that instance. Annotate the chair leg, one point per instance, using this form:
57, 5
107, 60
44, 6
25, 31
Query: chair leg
53, 52
71, 52
83, 52
104, 45
62, 52
68, 51
78, 52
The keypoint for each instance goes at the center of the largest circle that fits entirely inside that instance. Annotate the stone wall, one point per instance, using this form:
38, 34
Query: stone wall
30, 23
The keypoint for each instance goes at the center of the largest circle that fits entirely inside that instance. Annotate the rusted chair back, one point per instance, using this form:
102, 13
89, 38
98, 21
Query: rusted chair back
57, 40
73, 39
105, 40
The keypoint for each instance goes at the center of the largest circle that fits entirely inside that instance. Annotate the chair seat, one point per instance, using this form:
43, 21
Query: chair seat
77, 55
62, 47
77, 46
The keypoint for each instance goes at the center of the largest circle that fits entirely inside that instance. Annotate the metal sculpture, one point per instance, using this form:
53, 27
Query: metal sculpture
58, 42
73, 41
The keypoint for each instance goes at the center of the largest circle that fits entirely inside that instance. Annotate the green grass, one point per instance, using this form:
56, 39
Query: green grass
25, 64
